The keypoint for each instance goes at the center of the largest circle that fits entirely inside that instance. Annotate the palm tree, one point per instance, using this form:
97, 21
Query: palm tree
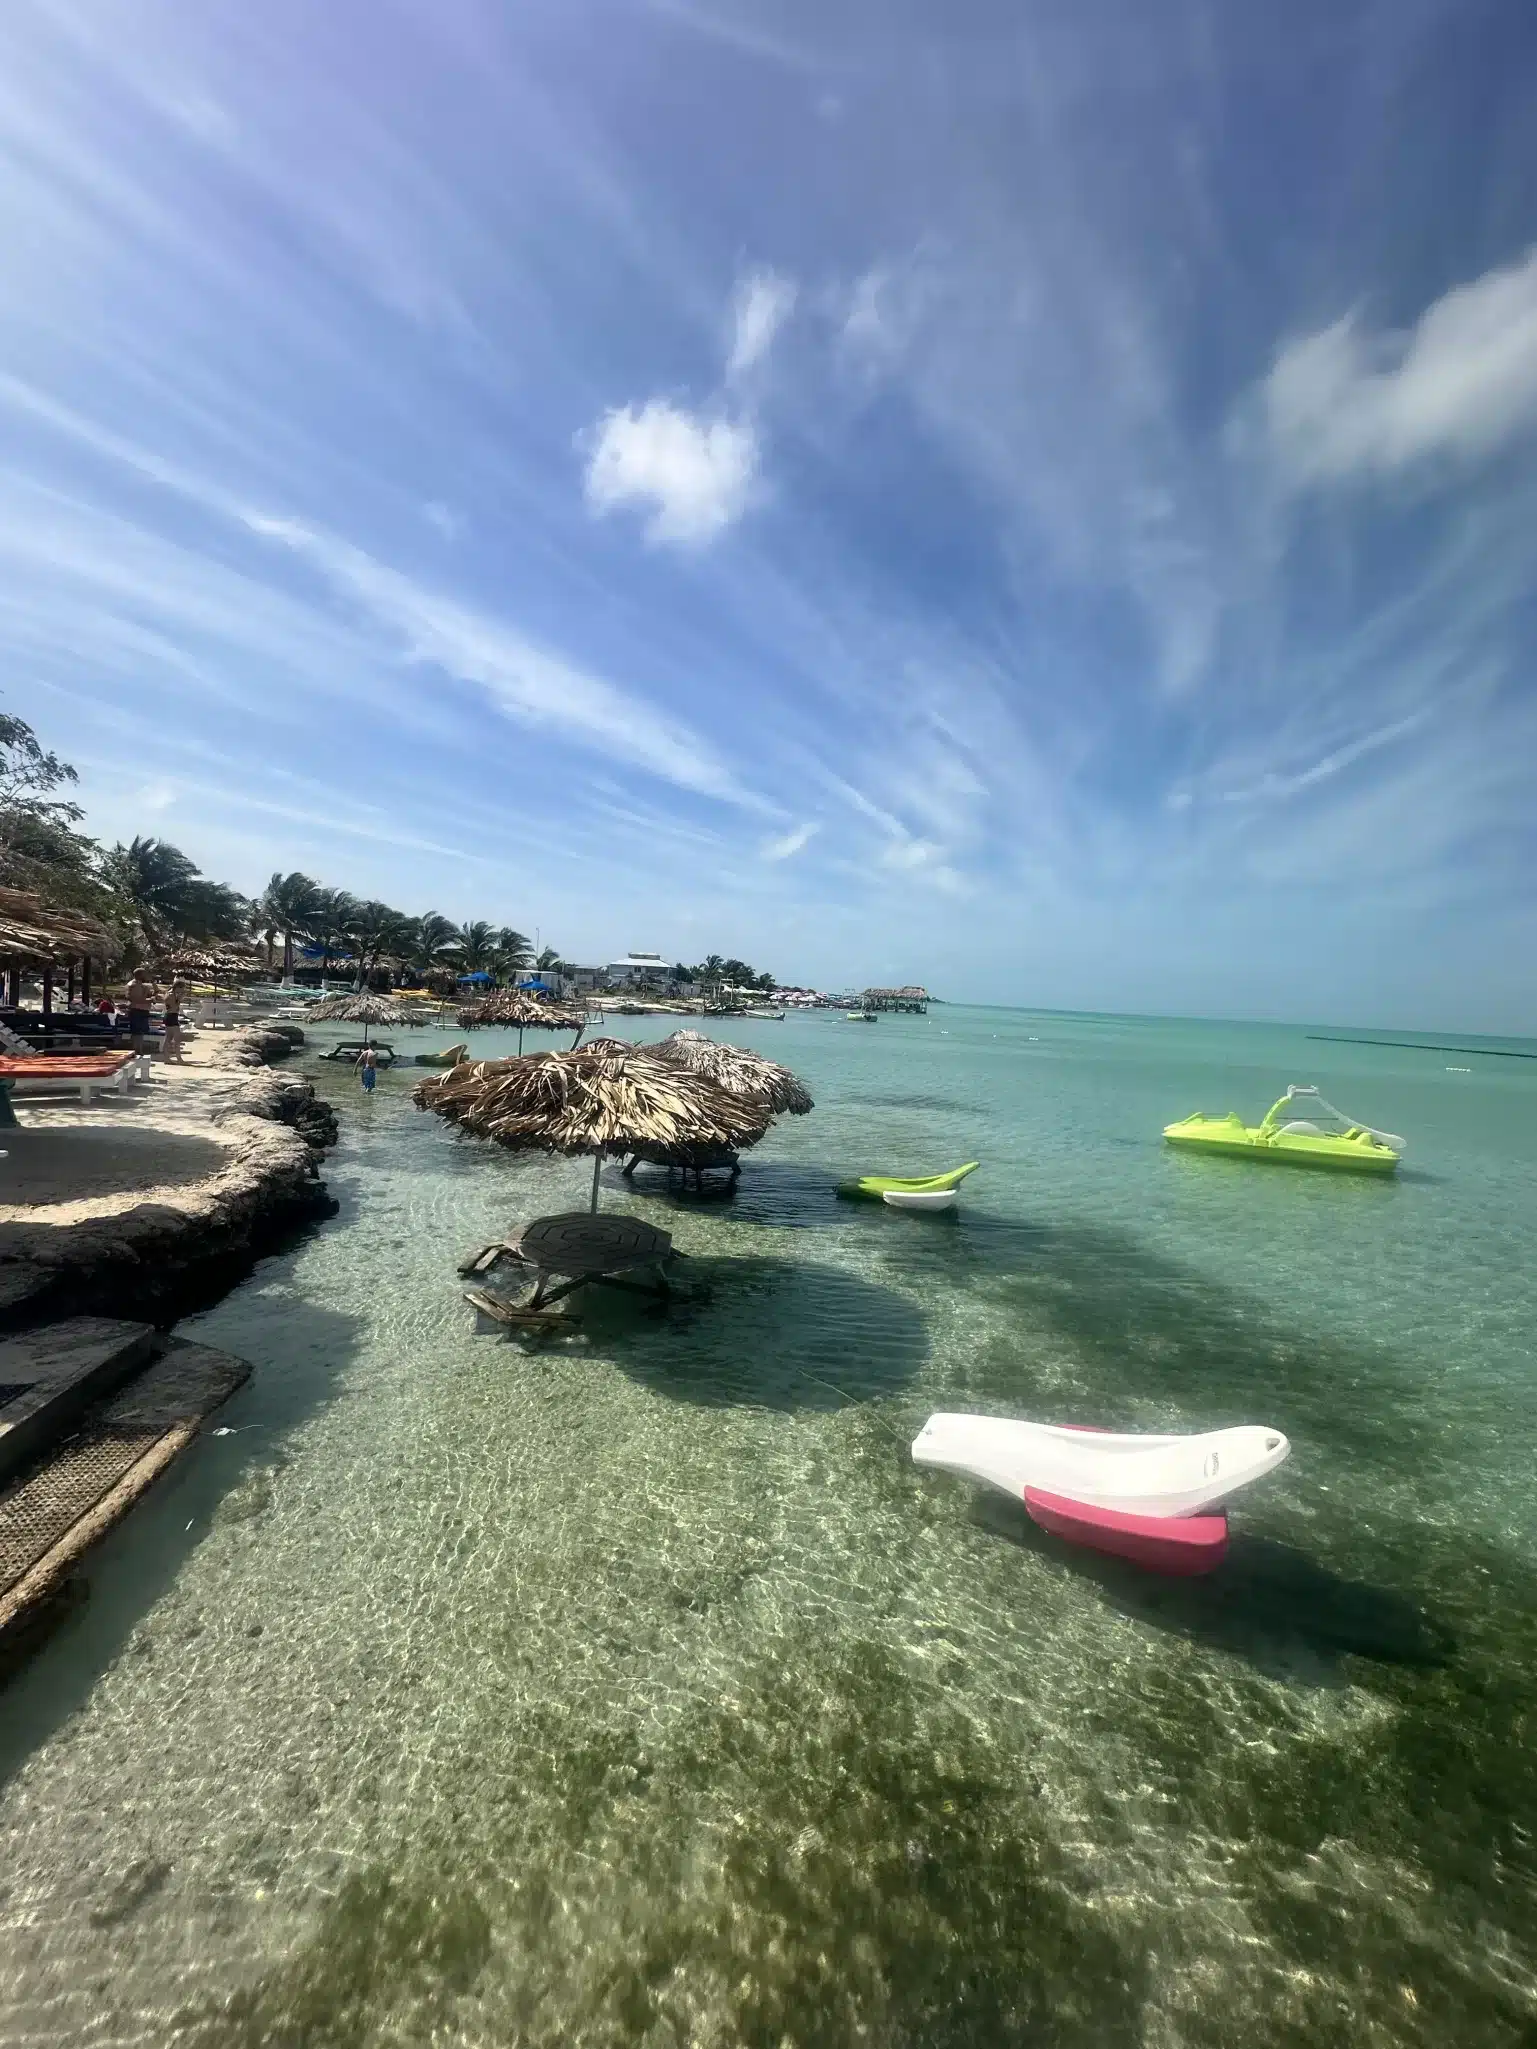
374, 929
549, 961
329, 924
161, 897
474, 947
513, 951
434, 937
288, 905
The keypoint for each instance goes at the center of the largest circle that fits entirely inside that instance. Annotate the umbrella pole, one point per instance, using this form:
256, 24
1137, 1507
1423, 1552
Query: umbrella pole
597, 1164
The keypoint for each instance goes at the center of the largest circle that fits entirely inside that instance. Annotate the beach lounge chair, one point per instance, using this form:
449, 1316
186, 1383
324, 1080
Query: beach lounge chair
44, 1074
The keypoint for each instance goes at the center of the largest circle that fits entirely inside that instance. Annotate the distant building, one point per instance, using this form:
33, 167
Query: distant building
639, 971
576, 981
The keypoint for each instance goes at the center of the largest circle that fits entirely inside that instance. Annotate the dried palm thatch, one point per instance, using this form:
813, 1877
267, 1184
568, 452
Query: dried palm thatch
738, 1070
363, 1010
602, 1100
526, 1013
48, 936
208, 965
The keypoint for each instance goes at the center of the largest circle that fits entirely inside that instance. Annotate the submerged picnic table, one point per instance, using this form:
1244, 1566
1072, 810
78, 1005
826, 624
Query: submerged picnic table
583, 1248
588, 1248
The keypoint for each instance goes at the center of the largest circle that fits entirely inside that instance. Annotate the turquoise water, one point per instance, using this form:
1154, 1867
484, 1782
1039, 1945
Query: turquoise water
639, 1690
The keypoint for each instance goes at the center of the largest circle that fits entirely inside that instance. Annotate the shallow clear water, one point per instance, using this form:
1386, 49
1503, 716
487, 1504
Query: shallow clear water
639, 1690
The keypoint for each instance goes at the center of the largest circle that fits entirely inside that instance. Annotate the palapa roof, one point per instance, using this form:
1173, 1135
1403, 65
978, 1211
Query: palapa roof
608, 1099
200, 960
363, 1010
508, 1007
737, 1069
48, 935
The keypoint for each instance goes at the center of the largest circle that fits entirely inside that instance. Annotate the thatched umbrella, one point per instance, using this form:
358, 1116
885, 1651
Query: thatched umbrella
738, 1070
610, 1099
525, 1013
361, 1009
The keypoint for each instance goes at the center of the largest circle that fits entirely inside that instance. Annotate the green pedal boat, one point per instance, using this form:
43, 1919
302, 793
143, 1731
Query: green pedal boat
1323, 1137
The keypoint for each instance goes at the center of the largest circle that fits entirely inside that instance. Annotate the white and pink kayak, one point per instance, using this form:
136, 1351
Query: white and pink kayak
1156, 1500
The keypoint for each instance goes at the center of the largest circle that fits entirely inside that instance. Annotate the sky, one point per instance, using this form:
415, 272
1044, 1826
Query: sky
1033, 497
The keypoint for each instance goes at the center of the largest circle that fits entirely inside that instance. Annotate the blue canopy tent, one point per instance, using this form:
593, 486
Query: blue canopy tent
479, 975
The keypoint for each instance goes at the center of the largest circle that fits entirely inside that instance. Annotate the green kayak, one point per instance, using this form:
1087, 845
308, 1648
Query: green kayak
875, 1187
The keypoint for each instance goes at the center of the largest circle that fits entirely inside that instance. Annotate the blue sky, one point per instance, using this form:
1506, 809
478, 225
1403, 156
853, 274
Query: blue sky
1033, 496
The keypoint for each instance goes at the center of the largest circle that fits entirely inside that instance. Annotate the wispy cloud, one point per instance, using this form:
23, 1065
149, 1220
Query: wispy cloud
694, 475
448, 523
762, 304
526, 681
1460, 384
790, 843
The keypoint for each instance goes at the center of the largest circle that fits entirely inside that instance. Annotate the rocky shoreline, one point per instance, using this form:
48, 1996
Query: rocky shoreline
155, 1253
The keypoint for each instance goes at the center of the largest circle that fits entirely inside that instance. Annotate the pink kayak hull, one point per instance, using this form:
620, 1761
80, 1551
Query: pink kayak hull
1178, 1545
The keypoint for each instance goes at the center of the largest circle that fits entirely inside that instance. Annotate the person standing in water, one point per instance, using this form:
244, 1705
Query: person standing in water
368, 1072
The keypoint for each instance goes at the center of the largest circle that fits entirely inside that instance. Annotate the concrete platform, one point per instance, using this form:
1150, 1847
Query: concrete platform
54, 1374
51, 1514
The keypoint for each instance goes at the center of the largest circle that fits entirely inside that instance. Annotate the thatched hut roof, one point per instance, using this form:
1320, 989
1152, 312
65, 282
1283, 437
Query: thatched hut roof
363, 1010
596, 1101
737, 1069
509, 1007
209, 965
50, 936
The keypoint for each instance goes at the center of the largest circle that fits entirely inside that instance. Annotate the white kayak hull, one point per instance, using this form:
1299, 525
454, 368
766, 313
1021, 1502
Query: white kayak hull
1141, 1475
914, 1198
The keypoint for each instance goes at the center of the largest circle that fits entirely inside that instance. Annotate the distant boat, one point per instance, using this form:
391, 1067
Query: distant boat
862, 1017
768, 1016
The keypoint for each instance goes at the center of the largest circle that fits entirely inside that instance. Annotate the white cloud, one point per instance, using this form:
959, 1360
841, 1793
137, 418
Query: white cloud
528, 682
155, 796
695, 474
1460, 383
1251, 781
789, 843
449, 524
762, 304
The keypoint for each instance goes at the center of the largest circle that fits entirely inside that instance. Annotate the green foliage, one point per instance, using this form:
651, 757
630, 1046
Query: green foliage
433, 943
159, 897
29, 775
289, 906
475, 947
731, 973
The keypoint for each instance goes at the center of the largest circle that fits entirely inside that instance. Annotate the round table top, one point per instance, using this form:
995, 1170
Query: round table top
578, 1242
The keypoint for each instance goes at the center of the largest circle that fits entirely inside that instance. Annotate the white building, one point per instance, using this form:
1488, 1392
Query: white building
639, 971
